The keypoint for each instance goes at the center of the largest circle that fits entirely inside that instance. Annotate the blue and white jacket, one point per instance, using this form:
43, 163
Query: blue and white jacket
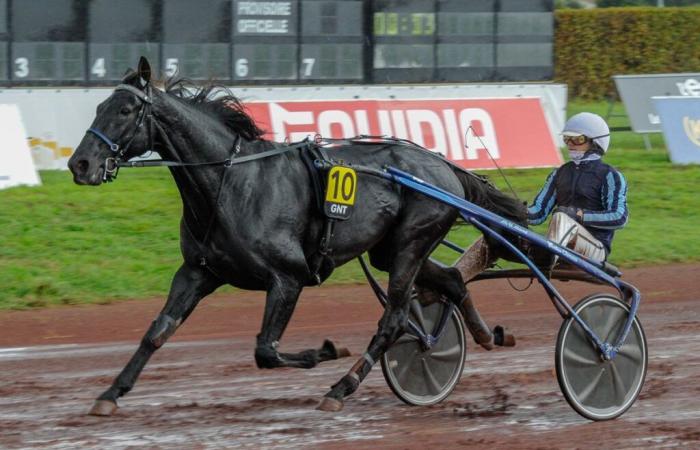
597, 188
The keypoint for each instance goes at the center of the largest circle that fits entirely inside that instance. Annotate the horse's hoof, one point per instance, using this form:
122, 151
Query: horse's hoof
502, 337
330, 405
343, 352
329, 351
103, 408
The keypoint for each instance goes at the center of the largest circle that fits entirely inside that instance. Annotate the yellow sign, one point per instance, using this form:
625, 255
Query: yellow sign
692, 130
342, 185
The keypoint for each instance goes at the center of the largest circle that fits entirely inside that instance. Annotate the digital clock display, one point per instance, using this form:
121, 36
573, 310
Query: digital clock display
403, 24
404, 33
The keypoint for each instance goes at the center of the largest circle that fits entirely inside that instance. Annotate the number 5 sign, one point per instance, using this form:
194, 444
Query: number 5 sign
340, 192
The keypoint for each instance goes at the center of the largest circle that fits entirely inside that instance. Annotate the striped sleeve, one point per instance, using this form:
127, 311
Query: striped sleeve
614, 200
544, 201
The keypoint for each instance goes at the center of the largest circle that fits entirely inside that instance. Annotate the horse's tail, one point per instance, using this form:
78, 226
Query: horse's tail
480, 191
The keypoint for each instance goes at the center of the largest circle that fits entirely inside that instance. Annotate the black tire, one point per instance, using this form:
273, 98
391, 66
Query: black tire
426, 377
598, 389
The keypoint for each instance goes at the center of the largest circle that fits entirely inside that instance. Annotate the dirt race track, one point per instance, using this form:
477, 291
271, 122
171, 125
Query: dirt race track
202, 390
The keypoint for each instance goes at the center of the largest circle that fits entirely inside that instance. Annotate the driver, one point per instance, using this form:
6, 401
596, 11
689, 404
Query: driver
589, 201
588, 196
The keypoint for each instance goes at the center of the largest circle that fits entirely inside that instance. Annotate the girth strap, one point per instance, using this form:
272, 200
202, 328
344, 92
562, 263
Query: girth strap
308, 156
311, 156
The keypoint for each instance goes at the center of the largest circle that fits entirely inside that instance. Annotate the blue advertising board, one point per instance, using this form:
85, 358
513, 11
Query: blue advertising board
680, 122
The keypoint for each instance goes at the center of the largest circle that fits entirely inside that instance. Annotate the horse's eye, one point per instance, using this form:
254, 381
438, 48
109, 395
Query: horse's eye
125, 111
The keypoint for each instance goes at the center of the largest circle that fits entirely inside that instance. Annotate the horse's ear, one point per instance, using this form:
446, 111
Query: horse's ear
130, 76
144, 70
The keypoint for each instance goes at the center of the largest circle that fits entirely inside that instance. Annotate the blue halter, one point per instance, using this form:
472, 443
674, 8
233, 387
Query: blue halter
112, 163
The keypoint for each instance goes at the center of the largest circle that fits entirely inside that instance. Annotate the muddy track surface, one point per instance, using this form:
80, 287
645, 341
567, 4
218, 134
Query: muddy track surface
202, 390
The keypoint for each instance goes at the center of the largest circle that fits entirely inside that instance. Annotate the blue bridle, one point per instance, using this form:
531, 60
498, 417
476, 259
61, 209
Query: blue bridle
112, 163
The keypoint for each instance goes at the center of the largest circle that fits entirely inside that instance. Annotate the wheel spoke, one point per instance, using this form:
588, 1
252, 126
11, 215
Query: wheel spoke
609, 328
406, 338
433, 384
630, 351
609, 320
588, 390
620, 390
417, 311
405, 367
581, 360
448, 354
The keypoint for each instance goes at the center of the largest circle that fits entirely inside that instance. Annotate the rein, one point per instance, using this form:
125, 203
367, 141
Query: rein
380, 139
114, 163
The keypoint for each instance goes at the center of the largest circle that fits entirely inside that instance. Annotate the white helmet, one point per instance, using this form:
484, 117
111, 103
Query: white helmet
590, 125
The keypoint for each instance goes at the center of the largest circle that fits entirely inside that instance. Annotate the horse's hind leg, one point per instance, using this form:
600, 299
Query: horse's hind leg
448, 282
188, 287
281, 300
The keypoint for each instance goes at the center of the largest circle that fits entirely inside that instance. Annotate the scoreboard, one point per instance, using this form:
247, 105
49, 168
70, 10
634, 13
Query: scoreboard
4, 37
265, 40
112, 49
332, 40
92, 42
195, 40
47, 41
298, 40
404, 40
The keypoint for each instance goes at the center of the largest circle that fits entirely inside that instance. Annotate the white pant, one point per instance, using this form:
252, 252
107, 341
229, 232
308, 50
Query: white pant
568, 233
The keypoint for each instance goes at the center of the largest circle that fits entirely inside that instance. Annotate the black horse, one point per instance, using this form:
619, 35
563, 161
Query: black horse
250, 218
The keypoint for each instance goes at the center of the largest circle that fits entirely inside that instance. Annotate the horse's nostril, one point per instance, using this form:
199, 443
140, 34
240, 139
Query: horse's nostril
82, 166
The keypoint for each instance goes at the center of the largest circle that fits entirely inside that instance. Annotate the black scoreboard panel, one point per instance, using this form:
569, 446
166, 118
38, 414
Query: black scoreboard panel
3, 61
55, 42
524, 49
119, 32
332, 40
4, 37
4, 31
48, 41
265, 40
466, 48
404, 40
196, 39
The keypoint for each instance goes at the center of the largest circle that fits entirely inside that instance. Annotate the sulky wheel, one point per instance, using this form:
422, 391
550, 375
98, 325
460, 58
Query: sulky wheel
598, 389
420, 376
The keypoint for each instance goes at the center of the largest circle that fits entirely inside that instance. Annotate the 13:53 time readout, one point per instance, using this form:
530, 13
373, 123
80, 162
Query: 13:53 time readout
404, 24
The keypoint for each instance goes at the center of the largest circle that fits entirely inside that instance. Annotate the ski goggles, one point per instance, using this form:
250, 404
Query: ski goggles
575, 140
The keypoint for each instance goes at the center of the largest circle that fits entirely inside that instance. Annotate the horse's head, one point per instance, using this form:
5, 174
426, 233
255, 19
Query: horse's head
120, 131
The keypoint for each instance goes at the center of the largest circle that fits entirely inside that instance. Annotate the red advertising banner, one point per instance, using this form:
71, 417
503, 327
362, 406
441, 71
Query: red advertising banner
512, 131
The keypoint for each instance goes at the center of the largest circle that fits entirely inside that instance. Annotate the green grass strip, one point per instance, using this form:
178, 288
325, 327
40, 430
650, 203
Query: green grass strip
67, 244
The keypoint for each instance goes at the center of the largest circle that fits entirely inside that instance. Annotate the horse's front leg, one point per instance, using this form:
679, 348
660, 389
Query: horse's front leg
281, 300
189, 286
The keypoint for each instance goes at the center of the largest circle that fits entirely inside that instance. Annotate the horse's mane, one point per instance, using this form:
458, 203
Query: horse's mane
218, 102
